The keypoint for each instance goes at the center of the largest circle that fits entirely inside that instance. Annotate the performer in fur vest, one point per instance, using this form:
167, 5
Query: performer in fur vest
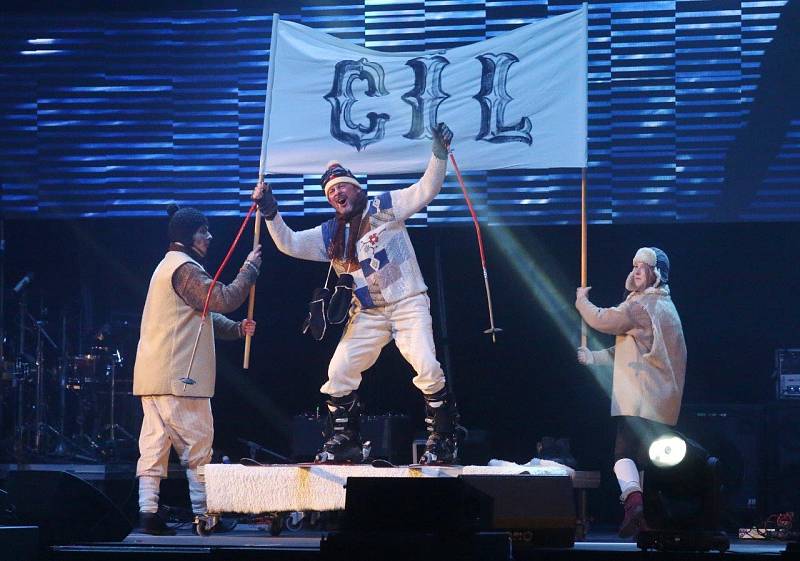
381, 288
177, 413
649, 360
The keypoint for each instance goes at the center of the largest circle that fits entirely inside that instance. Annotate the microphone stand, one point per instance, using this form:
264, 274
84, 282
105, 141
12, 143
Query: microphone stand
2, 304
39, 400
20, 374
2, 298
39, 405
61, 449
23, 317
254, 447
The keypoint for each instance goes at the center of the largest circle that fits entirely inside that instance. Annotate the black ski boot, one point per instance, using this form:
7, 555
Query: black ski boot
152, 523
441, 420
343, 444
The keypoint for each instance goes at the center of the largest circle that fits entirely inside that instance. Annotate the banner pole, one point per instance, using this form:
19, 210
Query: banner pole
584, 232
584, 266
273, 47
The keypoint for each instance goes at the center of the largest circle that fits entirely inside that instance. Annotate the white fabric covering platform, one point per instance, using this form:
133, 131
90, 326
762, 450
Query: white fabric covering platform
288, 488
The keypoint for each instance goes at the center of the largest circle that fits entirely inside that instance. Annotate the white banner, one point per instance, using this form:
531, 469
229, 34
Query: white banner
517, 100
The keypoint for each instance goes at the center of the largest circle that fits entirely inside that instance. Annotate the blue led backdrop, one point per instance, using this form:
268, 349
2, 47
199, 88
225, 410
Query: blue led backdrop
115, 114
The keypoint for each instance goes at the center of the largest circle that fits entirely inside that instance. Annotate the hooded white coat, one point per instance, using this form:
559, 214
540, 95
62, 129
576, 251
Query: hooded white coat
649, 356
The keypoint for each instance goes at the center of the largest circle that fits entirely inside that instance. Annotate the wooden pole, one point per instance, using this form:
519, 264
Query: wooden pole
584, 267
273, 47
251, 305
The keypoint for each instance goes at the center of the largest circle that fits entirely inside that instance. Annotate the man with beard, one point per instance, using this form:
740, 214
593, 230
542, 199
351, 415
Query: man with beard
649, 360
381, 284
176, 401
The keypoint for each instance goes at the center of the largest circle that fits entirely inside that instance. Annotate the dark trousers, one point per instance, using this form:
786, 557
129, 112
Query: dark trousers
634, 436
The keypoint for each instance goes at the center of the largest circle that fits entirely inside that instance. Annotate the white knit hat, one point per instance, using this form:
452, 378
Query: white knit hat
655, 258
336, 173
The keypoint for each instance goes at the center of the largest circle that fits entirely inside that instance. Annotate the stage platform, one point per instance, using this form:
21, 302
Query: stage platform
253, 538
321, 487
254, 542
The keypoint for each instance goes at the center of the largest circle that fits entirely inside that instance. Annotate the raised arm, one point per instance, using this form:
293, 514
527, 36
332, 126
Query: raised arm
406, 202
410, 200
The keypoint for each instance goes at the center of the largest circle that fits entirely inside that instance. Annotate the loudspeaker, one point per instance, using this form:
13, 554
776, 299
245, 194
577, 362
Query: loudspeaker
20, 543
734, 434
415, 504
475, 449
538, 511
66, 508
783, 459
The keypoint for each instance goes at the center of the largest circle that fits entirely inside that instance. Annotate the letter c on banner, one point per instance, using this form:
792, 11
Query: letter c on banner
342, 99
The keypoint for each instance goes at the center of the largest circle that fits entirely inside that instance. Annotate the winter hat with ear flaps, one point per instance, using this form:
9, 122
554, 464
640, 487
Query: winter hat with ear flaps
657, 259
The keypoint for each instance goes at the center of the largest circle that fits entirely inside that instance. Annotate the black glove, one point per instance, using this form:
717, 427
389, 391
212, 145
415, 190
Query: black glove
341, 299
267, 204
442, 136
315, 323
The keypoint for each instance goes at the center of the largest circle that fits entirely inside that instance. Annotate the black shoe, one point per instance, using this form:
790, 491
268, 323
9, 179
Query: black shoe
342, 431
151, 523
343, 448
444, 432
440, 449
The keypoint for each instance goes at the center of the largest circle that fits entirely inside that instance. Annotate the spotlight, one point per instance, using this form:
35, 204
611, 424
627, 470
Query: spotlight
681, 497
667, 451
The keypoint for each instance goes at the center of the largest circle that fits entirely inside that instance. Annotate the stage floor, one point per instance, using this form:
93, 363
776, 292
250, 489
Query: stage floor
255, 542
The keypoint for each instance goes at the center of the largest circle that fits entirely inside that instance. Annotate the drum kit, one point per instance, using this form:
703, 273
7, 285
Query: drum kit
59, 406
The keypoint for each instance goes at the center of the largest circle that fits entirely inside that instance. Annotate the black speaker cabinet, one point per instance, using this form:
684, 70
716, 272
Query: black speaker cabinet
415, 504
66, 508
783, 458
538, 511
20, 543
734, 434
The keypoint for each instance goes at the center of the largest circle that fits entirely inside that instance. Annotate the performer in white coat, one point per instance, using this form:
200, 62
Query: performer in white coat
176, 413
649, 360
